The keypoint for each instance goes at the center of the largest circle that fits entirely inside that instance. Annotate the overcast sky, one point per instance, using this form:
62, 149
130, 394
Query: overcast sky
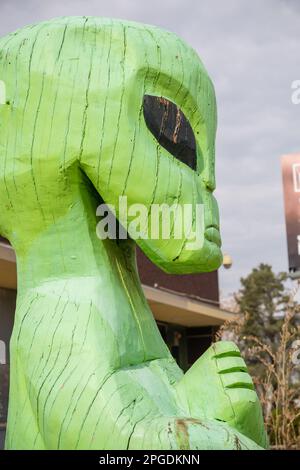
251, 50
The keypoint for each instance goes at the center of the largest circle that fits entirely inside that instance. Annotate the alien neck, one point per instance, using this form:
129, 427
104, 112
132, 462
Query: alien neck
65, 247
69, 263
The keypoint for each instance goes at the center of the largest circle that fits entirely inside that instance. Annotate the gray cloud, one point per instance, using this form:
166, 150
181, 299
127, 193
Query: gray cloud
250, 50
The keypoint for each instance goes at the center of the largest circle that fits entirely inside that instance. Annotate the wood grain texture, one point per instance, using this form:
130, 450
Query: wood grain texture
89, 369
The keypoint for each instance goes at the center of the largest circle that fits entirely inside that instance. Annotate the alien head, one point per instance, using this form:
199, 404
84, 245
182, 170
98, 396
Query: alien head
133, 107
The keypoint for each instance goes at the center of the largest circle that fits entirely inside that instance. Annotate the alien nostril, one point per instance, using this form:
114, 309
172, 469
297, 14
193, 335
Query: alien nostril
209, 186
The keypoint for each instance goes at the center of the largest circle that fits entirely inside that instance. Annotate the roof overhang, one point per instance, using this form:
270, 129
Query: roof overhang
178, 309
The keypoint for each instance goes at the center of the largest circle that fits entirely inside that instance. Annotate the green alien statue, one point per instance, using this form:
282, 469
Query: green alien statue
89, 369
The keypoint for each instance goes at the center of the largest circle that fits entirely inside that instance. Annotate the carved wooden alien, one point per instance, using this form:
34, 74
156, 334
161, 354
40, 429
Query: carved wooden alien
89, 369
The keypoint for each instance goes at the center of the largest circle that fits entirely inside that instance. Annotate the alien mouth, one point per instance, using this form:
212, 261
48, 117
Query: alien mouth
212, 234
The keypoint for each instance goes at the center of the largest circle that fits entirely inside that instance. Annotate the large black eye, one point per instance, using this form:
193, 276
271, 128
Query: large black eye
171, 129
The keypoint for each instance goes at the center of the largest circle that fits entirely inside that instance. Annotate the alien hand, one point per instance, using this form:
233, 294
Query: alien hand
219, 387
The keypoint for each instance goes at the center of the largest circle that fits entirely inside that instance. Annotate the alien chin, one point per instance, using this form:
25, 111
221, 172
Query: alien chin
162, 222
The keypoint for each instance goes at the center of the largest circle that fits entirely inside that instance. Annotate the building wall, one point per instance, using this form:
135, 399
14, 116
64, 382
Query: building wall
186, 344
2, 437
205, 286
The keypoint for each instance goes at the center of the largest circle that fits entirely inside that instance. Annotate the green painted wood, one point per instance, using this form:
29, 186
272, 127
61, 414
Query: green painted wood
89, 369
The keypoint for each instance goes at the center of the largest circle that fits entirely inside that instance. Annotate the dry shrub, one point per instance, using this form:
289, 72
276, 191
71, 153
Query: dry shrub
276, 373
